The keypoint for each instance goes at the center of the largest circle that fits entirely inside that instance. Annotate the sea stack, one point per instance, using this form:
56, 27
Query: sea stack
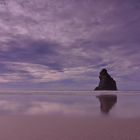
106, 81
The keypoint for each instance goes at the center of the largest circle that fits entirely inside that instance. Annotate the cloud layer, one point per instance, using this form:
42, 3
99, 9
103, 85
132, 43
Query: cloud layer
65, 43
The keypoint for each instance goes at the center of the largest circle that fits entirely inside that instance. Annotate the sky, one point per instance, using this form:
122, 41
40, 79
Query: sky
63, 44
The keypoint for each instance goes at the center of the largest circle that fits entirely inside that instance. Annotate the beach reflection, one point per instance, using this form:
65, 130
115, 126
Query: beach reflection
82, 104
47, 105
107, 102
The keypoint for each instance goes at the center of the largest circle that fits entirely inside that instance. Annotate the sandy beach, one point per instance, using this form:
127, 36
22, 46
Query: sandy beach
71, 117
68, 128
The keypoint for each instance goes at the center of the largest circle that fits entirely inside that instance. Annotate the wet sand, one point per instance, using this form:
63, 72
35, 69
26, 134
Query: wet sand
68, 128
70, 117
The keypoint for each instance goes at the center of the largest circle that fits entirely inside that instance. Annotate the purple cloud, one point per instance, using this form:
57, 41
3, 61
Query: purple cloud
53, 42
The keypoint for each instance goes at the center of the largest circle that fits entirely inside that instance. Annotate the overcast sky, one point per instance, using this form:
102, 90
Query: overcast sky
63, 44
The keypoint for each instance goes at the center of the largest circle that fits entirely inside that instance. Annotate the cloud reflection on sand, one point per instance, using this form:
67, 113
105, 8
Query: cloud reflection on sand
9, 106
127, 106
55, 108
47, 106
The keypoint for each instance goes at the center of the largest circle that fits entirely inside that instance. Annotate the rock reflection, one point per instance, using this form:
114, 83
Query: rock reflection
107, 102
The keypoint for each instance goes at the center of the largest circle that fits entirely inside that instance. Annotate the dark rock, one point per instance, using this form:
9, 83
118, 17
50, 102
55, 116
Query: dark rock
107, 102
106, 81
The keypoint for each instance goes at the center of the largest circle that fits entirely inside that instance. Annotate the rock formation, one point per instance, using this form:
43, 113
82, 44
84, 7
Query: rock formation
106, 81
107, 102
